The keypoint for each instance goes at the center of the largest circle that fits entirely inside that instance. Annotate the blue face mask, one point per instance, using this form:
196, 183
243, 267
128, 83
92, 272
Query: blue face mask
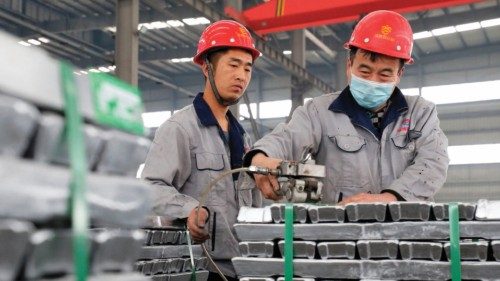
369, 94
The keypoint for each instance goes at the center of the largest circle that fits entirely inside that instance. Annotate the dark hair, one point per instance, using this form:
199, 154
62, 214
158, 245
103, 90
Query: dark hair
373, 56
214, 54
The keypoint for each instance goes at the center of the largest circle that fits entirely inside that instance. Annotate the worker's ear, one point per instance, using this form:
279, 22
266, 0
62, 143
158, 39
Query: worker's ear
348, 65
400, 74
204, 69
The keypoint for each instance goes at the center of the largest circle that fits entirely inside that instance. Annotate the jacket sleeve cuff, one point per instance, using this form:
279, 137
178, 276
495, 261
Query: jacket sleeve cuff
398, 196
247, 159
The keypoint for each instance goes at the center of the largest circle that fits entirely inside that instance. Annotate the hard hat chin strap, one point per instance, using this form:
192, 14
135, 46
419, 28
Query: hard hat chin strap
211, 79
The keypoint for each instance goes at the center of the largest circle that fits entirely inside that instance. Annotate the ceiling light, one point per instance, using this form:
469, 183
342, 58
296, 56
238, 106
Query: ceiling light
34, 42
175, 23
422, 35
146, 25
177, 60
103, 69
159, 24
203, 20
468, 26
26, 44
287, 52
489, 23
444, 30
94, 70
196, 21
111, 29
43, 40
190, 21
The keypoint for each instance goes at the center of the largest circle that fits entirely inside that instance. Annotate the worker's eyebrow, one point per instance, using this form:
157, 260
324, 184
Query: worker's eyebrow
239, 61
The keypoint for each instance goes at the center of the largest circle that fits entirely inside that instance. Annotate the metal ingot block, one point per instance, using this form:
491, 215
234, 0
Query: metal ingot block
410, 211
301, 249
337, 250
377, 249
470, 250
299, 213
257, 249
411, 250
359, 212
466, 211
329, 213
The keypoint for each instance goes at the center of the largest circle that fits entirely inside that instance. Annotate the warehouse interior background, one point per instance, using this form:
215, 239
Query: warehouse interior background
456, 52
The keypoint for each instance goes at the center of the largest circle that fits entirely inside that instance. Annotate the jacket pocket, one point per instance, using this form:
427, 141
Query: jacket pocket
209, 166
209, 161
404, 148
349, 164
348, 143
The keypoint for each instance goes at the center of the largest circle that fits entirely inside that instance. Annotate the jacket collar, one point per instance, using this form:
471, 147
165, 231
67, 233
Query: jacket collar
206, 116
236, 131
346, 104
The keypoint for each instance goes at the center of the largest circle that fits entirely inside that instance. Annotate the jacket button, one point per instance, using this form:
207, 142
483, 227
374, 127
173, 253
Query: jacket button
346, 146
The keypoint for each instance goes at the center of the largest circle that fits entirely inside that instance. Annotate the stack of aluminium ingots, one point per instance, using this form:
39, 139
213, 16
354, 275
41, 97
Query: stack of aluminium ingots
35, 229
167, 254
378, 241
35, 234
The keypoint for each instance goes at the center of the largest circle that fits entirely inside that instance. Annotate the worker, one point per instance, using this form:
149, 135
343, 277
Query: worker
377, 144
204, 139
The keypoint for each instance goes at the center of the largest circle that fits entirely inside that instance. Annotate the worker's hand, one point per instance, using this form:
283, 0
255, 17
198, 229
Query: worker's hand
267, 184
369, 198
197, 229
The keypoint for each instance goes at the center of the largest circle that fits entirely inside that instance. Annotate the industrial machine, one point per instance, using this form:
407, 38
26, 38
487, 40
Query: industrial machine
299, 181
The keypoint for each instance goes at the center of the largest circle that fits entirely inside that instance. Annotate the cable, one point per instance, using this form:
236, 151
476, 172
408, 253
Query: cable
213, 262
210, 186
202, 200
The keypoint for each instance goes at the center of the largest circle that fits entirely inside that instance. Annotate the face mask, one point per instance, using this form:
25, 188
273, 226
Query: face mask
369, 94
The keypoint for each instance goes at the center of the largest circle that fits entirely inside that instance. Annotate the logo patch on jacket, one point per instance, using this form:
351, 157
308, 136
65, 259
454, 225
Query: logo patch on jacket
405, 125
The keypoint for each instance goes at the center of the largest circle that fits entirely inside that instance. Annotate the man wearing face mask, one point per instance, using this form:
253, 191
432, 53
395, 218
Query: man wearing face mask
377, 145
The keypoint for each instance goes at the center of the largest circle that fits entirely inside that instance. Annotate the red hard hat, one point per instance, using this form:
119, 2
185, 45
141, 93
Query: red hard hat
225, 33
384, 32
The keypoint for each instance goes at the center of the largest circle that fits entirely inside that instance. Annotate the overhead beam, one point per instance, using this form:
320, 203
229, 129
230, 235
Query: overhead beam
167, 54
429, 23
92, 22
159, 78
54, 37
468, 52
299, 14
320, 44
426, 24
97, 56
269, 52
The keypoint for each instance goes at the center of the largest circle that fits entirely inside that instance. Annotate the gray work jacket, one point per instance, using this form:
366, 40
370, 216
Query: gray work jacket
189, 150
407, 156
